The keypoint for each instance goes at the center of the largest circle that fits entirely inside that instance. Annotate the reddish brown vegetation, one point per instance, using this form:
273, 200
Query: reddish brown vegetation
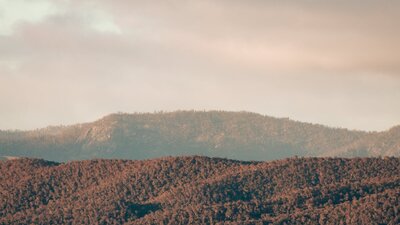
200, 190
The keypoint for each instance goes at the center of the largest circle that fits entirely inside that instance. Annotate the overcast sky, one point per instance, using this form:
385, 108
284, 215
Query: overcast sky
331, 62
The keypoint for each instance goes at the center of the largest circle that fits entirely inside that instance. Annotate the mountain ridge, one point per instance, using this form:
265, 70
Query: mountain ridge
236, 135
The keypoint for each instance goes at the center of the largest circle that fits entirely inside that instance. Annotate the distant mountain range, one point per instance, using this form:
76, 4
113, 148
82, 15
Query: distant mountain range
235, 135
201, 190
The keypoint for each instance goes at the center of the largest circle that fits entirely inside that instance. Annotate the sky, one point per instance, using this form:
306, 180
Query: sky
335, 63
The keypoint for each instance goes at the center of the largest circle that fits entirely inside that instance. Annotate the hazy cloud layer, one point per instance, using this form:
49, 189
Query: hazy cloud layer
335, 63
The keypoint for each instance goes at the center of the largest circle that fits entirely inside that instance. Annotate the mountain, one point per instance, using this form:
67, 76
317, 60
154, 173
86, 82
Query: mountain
235, 135
375, 144
201, 190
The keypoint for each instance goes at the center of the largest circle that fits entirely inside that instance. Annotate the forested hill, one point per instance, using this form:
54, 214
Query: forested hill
201, 190
236, 135
374, 144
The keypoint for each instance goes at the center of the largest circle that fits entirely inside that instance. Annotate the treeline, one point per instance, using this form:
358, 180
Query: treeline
201, 190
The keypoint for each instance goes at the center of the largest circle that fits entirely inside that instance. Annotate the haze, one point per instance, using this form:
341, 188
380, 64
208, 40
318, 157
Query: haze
336, 63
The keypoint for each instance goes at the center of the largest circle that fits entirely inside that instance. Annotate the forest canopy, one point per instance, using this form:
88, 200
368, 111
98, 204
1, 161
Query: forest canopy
201, 190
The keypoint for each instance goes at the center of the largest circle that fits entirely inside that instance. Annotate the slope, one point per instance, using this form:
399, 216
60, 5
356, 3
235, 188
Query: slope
236, 135
385, 143
201, 190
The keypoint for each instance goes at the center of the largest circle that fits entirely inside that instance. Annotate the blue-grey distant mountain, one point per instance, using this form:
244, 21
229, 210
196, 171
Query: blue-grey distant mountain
236, 135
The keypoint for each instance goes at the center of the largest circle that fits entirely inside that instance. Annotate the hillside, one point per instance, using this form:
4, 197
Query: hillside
201, 190
374, 144
236, 135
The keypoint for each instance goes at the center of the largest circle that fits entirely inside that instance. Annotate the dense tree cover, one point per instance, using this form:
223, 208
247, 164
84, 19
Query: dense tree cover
201, 190
235, 135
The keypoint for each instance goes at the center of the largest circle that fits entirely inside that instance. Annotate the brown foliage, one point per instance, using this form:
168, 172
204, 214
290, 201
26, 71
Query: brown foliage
201, 190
